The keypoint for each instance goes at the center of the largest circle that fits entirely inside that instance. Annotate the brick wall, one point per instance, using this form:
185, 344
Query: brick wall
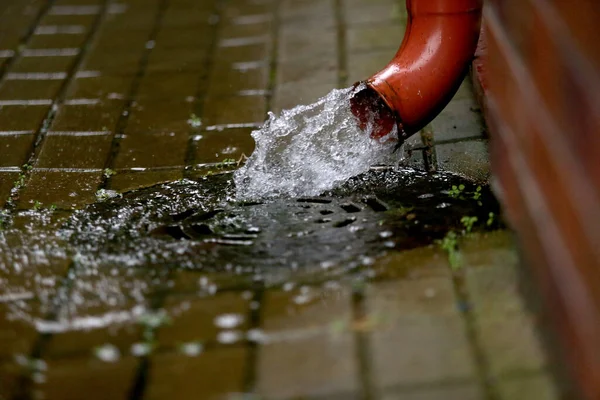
538, 75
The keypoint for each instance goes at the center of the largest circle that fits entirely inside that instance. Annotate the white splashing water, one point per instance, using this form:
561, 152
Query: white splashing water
310, 149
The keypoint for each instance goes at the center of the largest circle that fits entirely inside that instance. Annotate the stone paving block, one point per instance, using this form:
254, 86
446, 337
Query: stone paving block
58, 41
58, 66
87, 118
226, 80
540, 387
231, 30
168, 87
289, 95
314, 22
240, 9
9, 40
506, 330
375, 13
134, 19
306, 8
420, 263
152, 151
454, 392
15, 150
233, 110
214, 147
182, 18
421, 318
363, 65
9, 378
164, 118
243, 54
187, 282
121, 63
306, 356
17, 335
73, 151
196, 39
29, 89
212, 375
176, 60
74, 379
458, 121
7, 180
306, 44
322, 69
194, 318
371, 38
100, 87
469, 159
126, 181
22, 118
61, 188
80, 20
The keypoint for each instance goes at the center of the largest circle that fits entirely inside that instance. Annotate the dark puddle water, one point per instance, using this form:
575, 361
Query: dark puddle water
196, 225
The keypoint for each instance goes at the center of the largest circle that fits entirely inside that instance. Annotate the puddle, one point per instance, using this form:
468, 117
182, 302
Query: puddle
122, 251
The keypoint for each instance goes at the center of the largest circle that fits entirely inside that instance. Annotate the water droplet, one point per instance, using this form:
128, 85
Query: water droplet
107, 353
229, 321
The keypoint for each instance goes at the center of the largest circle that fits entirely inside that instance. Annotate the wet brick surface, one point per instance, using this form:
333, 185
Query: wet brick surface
125, 94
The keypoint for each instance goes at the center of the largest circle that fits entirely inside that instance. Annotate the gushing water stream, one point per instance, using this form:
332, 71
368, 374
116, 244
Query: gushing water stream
310, 149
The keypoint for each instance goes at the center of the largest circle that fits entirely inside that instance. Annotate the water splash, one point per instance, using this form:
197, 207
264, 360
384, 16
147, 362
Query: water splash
310, 149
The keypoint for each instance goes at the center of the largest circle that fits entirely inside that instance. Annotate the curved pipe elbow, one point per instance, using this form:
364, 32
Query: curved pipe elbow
440, 41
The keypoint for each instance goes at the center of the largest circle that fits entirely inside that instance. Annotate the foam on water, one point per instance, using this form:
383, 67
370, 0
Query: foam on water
310, 149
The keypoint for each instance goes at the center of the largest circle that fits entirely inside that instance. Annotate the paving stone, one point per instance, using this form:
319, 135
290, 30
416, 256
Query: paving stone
194, 318
314, 22
231, 55
224, 79
35, 65
152, 117
539, 387
120, 63
126, 181
306, 44
168, 87
18, 334
233, 110
214, 147
197, 39
22, 118
291, 94
322, 69
181, 18
61, 188
82, 20
240, 9
422, 319
177, 60
363, 65
74, 379
323, 360
375, 13
100, 87
29, 89
132, 20
370, 38
111, 41
419, 263
153, 150
87, 118
15, 150
70, 151
454, 392
232, 30
7, 180
459, 121
469, 159
58, 41
506, 329
200, 282
306, 8
9, 376
214, 374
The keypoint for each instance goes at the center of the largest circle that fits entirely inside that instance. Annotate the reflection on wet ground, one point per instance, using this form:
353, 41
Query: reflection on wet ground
400, 284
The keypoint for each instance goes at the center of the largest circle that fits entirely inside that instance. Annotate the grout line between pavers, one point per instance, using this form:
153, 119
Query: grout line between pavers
202, 91
57, 102
26, 38
274, 58
479, 358
255, 319
342, 58
362, 349
130, 99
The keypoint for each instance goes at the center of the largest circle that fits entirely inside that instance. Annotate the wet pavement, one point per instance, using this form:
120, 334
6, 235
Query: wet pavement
98, 98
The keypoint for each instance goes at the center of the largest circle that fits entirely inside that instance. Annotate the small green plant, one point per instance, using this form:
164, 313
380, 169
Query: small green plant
52, 207
491, 219
477, 193
194, 121
456, 191
468, 223
109, 172
450, 245
37, 205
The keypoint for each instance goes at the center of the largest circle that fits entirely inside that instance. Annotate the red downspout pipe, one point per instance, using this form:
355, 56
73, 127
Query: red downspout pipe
438, 47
